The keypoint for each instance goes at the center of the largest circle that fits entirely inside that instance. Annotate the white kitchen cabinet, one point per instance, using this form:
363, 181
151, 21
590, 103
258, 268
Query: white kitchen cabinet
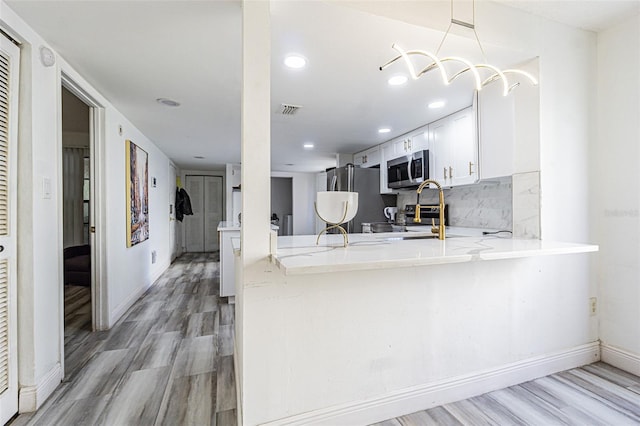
454, 149
402, 146
496, 132
386, 153
367, 158
464, 148
439, 151
417, 140
420, 139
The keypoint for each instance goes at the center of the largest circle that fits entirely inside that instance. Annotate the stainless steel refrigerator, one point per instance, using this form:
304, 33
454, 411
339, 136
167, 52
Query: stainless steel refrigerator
364, 181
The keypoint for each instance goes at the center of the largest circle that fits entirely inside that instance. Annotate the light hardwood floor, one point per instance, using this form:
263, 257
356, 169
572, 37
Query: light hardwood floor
596, 394
168, 361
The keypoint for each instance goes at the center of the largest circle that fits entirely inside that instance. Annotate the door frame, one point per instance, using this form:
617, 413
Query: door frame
97, 213
10, 397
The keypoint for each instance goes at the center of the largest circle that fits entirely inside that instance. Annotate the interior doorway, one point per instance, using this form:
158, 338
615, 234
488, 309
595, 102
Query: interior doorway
282, 204
77, 146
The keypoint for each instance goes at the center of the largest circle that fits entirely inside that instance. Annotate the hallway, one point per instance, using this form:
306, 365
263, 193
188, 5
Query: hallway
168, 361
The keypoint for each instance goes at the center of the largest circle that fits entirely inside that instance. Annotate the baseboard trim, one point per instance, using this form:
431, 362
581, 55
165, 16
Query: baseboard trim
430, 395
621, 359
31, 398
123, 307
160, 271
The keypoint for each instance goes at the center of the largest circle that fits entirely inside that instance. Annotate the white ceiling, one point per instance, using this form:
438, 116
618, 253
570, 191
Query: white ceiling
591, 15
134, 52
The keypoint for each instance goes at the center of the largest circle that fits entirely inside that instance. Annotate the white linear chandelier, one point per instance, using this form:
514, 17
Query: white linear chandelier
494, 72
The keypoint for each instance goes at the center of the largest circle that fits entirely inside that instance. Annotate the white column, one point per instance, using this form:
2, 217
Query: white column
256, 130
256, 167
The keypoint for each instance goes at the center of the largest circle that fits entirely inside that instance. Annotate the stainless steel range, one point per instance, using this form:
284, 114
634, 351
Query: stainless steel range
426, 214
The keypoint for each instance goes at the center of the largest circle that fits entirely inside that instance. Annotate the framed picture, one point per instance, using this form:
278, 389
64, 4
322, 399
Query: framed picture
137, 188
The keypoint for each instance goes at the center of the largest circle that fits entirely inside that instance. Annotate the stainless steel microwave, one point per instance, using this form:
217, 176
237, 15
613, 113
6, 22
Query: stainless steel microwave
408, 171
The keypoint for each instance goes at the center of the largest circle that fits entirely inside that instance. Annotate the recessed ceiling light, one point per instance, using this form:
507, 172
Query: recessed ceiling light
397, 80
384, 130
308, 145
168, 102
199, 157
295, 61
436, 104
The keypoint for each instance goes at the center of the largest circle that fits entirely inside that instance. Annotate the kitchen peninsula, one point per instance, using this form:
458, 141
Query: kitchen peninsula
391, 325
300, 255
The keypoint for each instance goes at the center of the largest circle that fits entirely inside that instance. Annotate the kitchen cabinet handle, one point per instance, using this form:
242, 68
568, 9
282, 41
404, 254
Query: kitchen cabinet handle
470, 168
450, 172
444, 172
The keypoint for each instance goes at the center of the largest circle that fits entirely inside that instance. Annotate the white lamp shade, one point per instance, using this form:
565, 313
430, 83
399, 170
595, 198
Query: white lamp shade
331, 206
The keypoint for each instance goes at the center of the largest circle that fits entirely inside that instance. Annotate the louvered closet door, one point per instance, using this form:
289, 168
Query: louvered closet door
9, 60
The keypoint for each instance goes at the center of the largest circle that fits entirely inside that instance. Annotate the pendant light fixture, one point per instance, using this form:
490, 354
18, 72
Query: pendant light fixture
494, 74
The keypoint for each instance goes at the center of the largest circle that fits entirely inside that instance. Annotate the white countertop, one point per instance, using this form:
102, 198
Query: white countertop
301, 255
235, 226
228, 226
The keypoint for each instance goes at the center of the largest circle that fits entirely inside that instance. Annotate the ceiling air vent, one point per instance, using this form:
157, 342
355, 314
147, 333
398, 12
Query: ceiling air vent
287, 109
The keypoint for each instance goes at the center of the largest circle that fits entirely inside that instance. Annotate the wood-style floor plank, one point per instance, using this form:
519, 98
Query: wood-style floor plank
596, 394
160, 364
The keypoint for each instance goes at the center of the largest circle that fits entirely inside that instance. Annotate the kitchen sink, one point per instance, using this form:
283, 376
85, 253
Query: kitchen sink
419, 237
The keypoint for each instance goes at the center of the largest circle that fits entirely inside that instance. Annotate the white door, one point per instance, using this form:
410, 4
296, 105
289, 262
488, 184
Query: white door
194, 224
9, 60
206, 193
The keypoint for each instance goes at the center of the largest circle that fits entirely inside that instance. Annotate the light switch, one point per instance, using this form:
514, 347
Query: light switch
46, 187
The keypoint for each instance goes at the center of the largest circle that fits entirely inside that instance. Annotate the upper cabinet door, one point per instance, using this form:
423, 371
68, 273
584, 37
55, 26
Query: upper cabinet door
402, 146
440, 151
496, 132
453, 147
420, 140
464, 147
367, 158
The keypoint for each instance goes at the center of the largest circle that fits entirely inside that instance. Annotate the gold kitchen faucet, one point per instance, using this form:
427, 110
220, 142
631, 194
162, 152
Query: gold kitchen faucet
436, 230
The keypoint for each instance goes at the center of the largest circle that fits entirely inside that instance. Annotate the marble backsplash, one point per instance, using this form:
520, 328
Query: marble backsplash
483, 205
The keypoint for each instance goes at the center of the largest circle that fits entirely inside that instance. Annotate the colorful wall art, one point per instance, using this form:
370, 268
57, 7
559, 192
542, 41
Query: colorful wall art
137, 194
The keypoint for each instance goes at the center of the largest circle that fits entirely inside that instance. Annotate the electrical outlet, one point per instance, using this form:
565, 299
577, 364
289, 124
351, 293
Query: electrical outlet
593, 306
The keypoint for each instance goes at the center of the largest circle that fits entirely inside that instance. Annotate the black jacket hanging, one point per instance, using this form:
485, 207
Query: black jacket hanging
187, 202
183, 204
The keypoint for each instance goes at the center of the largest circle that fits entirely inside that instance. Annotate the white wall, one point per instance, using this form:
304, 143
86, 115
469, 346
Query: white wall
128, 271
616, 188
